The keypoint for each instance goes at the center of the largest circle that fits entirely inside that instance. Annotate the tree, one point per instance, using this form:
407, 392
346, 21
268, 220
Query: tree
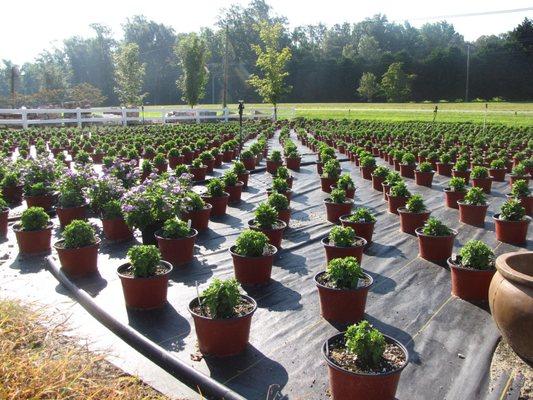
396, 83
192, 54
273, 63
129, 75
368, 86
85, 93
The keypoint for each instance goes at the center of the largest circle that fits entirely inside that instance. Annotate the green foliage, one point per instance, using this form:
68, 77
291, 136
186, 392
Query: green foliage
408, 159
362, 214
338, 196
368, 86
367, 161
425, 167
415, 204
175, 228
37, 189
247, 154
475, 197
160, 160
112, 210
71, 197
34, 219
230, 178
278, 201
215, 187
366, 342
10, 179
445, 158
461, 166
194, 202
396, 84
435, 227
344, 273
476, 254
520, 188
280, 185
497, 164
342, 236
457, 184
331, 169
78, 234
399, 190
197, 163
192, 53
251, 243
221, 298
3, 203
519, 170
147, 167
238, 167
512, 210
283, 172
345, 182
144, 260
275, 156
392, 178
381, 172
265, 216
479, 172
129, 75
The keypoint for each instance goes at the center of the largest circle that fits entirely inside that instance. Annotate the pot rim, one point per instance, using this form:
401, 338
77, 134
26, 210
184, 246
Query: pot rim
163, 262
511, 196
238, 184
452, 264
96, 244
323, 241
462, 203
404, 210
510, 273
243, 296
449, 190
387, 338
254, 258
16, 227
344, 290
267, 230
70, 208
207, 206
418, 232
343, 218
347, 201
335, 187
526, 219
204, 196
193, 235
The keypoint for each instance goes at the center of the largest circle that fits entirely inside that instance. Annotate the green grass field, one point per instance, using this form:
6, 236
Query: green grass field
514, 114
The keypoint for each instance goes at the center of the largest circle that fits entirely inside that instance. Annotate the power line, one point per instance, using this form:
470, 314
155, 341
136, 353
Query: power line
475, 14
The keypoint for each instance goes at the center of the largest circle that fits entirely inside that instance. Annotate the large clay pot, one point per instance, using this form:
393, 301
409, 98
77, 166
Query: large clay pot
78, 262
362, 229
470, 284
511, 301
253, 270
409, 221
335, 210
116, 230
472, 214
33, 242
513, 232
177, 251
333, 251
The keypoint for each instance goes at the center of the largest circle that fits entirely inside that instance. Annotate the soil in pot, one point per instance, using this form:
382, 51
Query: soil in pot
33, 242
274, 235
513, 232
468, 283
79, 262
67, 215
253, 270
199, 218
335, 210
472, 214
219, 204
356, 250
116, 230
436, 249
409, 221
177, 251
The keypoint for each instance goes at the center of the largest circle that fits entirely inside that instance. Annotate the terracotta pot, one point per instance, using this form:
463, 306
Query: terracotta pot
511, 301
350, 193
252, 270
424, 178
526, 202
444, 169
227, 156
451, 198
435, 248
342, 306
235, 192
386, 189
4, 216
116, 230
327, 183
396, 202
249, 163
199, 218
483, 183
409, 221
33, 242
333, 252
67, 215
377, 183
198, 174
274, 235
222, 337
513, 232
366, 172
148, 233
293, 163
362, 229
462, 174
285, 216
497, 175
407, 171
219, 203
244, 179
188, 156
79, 262
12, 194
145, 293
472, 214
335, 210
470, 284
272, 166
45, 201
347, 385
177, 251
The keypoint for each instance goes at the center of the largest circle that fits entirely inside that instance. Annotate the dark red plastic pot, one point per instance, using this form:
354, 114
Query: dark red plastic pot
285, 216
79, 262
219, 203
451, 198
198, 174
210, 164
244, 179
145, 293
483, 183
366, 172
13, 194
470, 284
222, 337
4, 216
435, 248
67, 215
513, 232
235, 192
227, 156
409, 221
342, 306
407, 170
33, 242
347, 385
174, 161
116, 230
472, 214
272, 166
252, 270
188, 157
377, 183
274, 235
396, 202
327, 183
45, 201
177, 251
424, 178
333, 252
199, 218
293, 163
362, 229
218, 161
386, 189
249, 163
444, 169
462, 174
335, 210
497, 175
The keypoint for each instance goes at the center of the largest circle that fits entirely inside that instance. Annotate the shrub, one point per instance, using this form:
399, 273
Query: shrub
367, 161
144, 260
479, 172
146, 167
197, 163
160, 160
425, 167
276, 156
476, 254
193, 202
408, 159
434, 227
278, 201
342, 236
34, 219
283, 172
247, 154
457, 184
221, 298
345, 182
215, 187
399, 190
3, 203
230, 178
252, 243
512, 210
381, 172
280, 185
78, 234
112, 210
362, 214
180, 170
338, 196
344, 273
206, 157
519, 170
497, 164
366, 342
331, 169
445, 158
392, 178
175, 228
475, 197
415, 204
71, 197
238, 167
461, 166
520, 188
265, 216
174, 152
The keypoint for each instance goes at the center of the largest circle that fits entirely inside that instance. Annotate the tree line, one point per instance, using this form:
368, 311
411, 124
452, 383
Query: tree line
371, 60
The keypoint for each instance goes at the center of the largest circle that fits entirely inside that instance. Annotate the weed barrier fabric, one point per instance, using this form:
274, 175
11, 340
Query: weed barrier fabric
450, 341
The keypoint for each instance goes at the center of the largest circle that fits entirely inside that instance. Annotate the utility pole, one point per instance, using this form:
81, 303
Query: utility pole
467, 71
225, 90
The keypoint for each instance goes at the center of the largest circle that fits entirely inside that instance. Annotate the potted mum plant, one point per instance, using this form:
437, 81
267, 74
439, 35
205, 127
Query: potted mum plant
292, 158
398, 196
144, 278
283, 173
266, 221
232, 186
472, 271
362, 221
253, 257
424, 174
176, 241
342, 242
248, 159
337, 205
281, 186
435, 241
408, 165
196, 210
367, 165
147, 168
222, 318
379, 175
473, 208
519, 172
12, 188
34, 232
480, 178
198, 170
160, 162
113, 224
444, 166
78, 249
413, 215
4, 216
520, 191
497, 170
512, 223
281, 205
392, 178
274, 162
345, 183
461, 170
175, 158
71, 204
242, 173
363, 363
342, 290
208, 160
455, 191
216, 196
330, 174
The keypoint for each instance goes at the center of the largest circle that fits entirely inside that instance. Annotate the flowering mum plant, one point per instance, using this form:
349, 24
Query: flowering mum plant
41, 172
103, 190
125, 171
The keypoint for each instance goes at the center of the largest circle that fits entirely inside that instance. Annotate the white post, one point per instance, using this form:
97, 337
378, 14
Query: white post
78, 117
163, 117
226, 114
124, 116
24, 117
197, 114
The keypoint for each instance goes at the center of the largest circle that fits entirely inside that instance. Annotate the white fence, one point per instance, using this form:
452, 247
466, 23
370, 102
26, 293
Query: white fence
25, 118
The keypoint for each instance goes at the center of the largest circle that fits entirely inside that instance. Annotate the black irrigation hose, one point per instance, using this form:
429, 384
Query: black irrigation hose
185, 373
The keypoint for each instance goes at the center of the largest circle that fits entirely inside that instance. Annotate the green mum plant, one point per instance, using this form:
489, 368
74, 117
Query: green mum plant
78, 234
338, 196
362, 214
345, 182
144, 260
435, 227
512, 210
34, 219
175, 228
280, 185
477, 255
215, 187
230, 178
252, 243
341, 236
520, 189
221, 298
344, 273
479, 172
425, 167
415, 204
475, 197
457, 184
278, 201
408, 159
399, 190
366, 342
265, 216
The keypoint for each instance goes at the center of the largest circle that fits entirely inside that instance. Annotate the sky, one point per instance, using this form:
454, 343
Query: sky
47, 23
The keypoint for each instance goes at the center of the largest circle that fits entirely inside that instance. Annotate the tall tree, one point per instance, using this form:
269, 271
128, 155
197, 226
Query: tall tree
192, 54
272, 61
129, 75
368, 86
396, 83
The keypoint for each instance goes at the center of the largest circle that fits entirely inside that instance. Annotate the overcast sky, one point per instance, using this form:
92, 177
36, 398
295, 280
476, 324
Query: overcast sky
28, 27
